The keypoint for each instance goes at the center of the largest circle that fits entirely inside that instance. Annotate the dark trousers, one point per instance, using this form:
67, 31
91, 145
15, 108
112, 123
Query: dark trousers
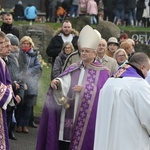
110, 14
64, 145
31, 120
10, 124
23, 115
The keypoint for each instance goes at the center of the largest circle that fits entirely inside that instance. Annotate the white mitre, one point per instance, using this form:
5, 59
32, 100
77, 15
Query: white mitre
98, 33
89, 38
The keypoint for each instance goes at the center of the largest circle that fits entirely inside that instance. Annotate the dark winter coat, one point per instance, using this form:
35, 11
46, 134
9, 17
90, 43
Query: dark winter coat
131, 4
8, 28
109, 4
18, 11
140, 8
56, 43
120, 4
31, 71
58, 64
13, 67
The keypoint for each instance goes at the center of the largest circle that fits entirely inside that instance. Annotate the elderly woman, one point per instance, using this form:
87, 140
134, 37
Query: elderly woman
121, 56
112, 45
67, 49
127, 46
31, 71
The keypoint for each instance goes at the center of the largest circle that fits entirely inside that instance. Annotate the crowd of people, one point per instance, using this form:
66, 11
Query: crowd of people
92, 101
20, 73
120, 12
21, 12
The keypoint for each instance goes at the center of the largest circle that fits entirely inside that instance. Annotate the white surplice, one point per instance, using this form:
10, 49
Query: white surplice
123, 115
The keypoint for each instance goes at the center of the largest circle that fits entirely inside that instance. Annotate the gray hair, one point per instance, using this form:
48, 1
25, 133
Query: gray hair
120, 50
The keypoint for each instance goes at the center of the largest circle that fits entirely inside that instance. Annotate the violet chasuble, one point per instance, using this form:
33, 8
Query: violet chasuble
5, 97
77, 123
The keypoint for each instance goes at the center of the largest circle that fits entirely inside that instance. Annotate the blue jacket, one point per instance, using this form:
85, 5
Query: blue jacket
30, 12
31, 71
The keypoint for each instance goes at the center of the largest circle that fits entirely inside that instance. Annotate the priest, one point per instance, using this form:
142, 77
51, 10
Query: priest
123, 118
69, 113
5, 97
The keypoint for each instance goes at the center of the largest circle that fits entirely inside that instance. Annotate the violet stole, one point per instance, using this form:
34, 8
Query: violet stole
85, 107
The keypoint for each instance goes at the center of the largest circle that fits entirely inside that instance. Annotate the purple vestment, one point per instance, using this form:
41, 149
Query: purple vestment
128, 70
5, 90
82, 134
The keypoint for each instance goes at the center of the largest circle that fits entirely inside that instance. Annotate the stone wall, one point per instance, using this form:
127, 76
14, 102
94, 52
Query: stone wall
41, 35
108, 29
142, 37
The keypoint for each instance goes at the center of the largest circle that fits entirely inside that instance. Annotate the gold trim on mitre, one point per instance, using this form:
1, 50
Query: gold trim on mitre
88, 38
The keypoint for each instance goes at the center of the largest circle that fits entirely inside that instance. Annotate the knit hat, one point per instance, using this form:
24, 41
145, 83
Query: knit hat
13, 39
20, 2
113, 40
88, 38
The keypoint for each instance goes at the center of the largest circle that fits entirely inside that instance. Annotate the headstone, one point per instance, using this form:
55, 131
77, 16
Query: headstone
41, 35
38, 39
79, 22
108, 29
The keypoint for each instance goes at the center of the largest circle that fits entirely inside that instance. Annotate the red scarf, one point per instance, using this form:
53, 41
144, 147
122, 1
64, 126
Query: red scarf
26, 49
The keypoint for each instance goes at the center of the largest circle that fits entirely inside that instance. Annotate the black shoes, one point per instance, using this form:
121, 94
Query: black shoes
33, 125
12, 136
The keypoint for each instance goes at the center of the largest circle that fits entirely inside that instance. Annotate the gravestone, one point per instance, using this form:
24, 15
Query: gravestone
79, 22
108, 29
41, 35
38, 39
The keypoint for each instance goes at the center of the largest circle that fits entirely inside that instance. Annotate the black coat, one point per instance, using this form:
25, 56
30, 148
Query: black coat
130, 4
55, 46
119, 4
58, 64
18, 11
13, 67
140, 8
8, 28
109, 4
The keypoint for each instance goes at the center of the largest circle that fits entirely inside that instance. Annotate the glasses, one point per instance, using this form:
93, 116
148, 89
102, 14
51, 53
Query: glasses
120, 55
86, 51
67, 47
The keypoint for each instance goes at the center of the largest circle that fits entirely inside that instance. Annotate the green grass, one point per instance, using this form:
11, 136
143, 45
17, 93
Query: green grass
130, 28
44, 83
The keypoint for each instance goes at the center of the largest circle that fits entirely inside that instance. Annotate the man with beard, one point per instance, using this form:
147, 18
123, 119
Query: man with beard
62, 35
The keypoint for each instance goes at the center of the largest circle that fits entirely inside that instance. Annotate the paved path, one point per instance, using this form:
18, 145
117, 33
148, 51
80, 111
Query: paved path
25, 141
